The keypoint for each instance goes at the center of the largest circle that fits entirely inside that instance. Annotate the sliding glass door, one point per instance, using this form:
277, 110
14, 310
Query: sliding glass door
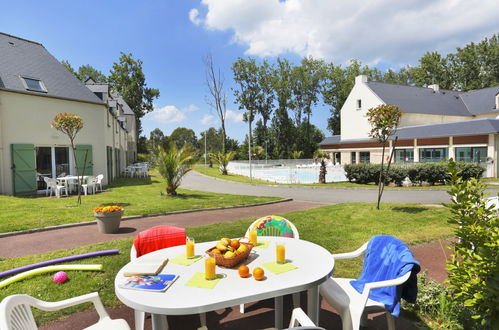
51, 162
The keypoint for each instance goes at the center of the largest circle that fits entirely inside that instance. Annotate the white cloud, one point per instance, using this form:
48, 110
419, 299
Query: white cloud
166, 115
191, 108
208, 120
194, 16
384, 30
234, 116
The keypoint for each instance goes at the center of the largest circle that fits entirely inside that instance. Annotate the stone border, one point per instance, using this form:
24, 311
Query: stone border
132, 217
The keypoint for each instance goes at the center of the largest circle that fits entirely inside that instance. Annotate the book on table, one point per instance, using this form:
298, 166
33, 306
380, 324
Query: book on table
144, 267
158, 283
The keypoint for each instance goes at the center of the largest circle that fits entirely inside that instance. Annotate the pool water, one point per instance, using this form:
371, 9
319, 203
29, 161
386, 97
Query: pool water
293, 175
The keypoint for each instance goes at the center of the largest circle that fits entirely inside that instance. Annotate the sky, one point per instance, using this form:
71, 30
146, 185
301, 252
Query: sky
172, 38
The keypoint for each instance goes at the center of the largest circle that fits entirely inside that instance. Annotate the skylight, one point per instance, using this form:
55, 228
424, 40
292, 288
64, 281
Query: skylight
34, 85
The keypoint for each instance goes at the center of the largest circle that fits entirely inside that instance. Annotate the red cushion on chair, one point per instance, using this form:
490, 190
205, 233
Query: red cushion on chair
159, 237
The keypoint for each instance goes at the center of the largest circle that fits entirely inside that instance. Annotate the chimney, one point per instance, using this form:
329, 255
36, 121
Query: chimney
435, 87
497, 101
361, 79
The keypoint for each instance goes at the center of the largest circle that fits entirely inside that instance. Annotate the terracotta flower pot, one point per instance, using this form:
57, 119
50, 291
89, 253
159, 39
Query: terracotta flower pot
108, 222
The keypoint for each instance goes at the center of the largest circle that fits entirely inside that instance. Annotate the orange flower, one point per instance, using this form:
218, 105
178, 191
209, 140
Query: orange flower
108, 209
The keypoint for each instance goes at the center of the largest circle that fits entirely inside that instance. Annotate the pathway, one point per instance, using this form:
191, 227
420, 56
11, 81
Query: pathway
196, 181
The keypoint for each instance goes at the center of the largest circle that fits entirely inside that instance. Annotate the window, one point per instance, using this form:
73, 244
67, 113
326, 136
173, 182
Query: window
99, 95
404, 155
353, 156
430, 155
365, 157
471, 154
359, 104
34, 85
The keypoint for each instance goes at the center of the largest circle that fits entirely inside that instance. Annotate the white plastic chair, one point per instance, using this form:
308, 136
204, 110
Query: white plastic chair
91, 182
353, 306
16, 314
54, 187
275, 232
300, 320
98, 183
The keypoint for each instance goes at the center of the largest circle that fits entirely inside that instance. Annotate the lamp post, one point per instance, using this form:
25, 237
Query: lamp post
249, 147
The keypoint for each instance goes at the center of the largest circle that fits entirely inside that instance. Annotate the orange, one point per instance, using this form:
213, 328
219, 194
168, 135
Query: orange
258, 274
235, 243
215, 250
243, 271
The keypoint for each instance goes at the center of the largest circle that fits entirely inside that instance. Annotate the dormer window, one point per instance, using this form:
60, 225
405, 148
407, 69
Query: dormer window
32, 84
359, 104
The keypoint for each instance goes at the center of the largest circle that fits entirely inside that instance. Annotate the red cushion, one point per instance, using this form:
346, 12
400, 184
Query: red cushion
159, 237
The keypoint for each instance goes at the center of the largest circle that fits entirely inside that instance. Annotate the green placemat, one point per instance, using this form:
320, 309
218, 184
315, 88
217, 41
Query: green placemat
277, 269
262, 244
198, 281
182, 260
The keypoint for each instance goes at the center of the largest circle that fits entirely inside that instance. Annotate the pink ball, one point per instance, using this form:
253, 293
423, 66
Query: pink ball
60, 277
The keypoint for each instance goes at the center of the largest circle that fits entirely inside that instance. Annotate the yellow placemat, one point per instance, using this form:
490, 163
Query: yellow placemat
182, 260
198, 281
277, 269
262, 244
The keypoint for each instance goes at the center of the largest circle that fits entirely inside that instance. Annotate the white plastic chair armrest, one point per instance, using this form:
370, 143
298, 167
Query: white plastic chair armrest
350, 255
90, 297
382, 284
299, 316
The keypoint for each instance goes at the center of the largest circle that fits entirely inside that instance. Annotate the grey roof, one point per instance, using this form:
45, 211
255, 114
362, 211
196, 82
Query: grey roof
126, 108
458, 128
20, 57
423, 100
480, 101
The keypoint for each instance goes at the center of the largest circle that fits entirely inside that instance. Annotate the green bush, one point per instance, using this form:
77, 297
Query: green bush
362, 173
474, 266
141, 158
470, 170
397, 175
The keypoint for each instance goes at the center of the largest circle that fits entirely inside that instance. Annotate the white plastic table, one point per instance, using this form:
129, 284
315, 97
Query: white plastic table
315, 264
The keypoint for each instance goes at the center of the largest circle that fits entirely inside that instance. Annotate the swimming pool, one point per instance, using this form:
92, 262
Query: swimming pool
291, 174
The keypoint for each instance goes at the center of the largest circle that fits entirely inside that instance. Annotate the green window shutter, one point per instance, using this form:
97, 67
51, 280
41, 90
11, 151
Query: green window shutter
23, 169
81, 151
109, 151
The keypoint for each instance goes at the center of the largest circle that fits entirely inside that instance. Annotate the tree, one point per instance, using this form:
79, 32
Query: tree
296, 154
384, 120
182, 136
142, 145
266, 97
157, 138
128, 79
322, 157
474, 266
70, 124
222, 159
67, 65
87, 71
173, 164
218, 97
432, 69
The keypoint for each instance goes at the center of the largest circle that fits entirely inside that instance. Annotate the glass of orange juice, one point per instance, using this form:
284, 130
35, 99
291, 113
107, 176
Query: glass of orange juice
253, 237
189, 248
209, 268
280, 252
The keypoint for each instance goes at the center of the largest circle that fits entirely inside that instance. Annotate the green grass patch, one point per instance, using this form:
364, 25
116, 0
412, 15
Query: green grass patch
214, 172
137, 196
338, 228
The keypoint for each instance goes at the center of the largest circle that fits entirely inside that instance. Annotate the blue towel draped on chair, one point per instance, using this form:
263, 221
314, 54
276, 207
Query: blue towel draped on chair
387, 258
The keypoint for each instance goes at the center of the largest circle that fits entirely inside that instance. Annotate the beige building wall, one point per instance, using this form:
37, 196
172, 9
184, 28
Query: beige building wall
26, 119
414, 119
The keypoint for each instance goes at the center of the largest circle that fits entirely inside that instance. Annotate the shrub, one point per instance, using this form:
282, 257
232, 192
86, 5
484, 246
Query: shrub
470, 170
362, 173
474, 267
397, 175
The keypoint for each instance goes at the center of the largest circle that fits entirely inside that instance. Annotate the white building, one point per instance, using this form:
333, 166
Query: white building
435, 125
34, 87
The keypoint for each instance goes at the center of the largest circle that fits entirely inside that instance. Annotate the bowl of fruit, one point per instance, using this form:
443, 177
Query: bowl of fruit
230, 252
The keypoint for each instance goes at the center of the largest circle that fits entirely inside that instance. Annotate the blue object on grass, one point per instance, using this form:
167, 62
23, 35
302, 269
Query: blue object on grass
388, 258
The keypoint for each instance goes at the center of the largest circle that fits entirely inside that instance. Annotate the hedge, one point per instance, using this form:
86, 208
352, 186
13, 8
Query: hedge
430, 173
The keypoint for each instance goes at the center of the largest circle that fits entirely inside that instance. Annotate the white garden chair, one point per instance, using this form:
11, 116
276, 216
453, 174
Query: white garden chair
89, 185
98, 183
16, 314
53, 186
353, 306
301, 321
273, 231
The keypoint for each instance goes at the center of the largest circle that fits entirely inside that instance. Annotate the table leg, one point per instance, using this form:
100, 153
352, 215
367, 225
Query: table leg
313, 304
278, 307
159, 322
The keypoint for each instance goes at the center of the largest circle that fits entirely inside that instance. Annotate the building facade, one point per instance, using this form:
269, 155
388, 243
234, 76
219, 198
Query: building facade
34, 87
435, 125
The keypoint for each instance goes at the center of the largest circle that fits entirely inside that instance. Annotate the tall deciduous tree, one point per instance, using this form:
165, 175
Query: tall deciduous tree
128, 79
182, 136
217, 99
384, 120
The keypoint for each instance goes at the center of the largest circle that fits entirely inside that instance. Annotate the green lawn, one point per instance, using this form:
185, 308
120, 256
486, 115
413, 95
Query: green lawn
214, 172
339, 228
137, 196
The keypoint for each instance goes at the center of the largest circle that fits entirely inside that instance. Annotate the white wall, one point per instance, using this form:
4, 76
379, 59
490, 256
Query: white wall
414, 119
26, 119
354, 124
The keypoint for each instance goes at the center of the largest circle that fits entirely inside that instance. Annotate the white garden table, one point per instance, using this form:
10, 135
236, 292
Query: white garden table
315, 264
